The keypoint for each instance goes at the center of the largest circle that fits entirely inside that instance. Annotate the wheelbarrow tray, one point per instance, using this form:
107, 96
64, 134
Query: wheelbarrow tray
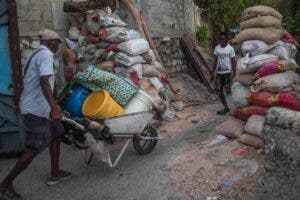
130, 124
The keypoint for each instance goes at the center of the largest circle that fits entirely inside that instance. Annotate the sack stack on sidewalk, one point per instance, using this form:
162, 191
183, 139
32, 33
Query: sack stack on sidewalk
104, 54
266, 74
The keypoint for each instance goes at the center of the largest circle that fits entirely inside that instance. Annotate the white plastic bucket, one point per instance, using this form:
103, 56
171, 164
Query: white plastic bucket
139, 103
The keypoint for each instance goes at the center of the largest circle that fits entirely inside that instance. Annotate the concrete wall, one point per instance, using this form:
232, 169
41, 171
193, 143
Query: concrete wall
169, 18
166, 19
34, 15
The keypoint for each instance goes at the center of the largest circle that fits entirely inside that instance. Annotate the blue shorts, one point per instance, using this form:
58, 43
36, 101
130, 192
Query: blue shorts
40, 132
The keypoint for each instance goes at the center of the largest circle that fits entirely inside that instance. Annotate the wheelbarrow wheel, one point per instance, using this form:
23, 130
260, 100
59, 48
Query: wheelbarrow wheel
145, 146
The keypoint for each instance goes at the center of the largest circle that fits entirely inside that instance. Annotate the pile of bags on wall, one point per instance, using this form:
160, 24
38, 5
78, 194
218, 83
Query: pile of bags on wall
104, 54
265, 75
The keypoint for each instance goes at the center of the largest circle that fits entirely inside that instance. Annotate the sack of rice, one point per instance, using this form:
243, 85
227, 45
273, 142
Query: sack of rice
269, 35
232, 128
249, 64
261, 22
255, 125
281, 82
135, 47
245, 79
255, 47
240, 95
257, 11
251, 140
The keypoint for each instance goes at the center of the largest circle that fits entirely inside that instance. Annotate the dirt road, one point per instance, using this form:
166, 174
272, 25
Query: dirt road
179, 168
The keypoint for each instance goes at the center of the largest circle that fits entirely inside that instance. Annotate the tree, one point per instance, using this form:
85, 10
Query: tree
294, 25
224, 14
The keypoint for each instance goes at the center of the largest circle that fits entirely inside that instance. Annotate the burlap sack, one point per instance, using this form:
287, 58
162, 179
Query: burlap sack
257, 11
269, 35
261, 22
245, 79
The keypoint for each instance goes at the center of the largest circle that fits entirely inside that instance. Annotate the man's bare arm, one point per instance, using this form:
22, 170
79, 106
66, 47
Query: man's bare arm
47, 91
233, 63
214, 67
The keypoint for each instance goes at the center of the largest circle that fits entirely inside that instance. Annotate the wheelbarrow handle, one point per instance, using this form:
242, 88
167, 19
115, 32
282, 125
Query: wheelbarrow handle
74, 123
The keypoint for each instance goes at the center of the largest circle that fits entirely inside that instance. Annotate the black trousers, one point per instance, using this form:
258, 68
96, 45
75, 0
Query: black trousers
223, 81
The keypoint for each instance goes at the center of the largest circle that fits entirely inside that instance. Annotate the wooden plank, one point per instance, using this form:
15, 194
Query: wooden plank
198, 62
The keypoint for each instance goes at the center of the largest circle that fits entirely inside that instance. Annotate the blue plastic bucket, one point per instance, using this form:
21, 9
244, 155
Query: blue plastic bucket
74, 102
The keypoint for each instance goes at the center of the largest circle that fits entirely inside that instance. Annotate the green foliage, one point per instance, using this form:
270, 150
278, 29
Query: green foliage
294, 25
226, 14
223, 14
202, 35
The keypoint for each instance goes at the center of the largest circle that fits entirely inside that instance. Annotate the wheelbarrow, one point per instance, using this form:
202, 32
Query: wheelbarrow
133, 127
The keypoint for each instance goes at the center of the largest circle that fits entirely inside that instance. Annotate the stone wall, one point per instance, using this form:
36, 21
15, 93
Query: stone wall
172, 55
281, 177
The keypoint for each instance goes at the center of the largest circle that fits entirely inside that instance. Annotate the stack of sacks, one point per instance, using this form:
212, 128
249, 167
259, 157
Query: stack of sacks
260, 23
265, 75
104, 54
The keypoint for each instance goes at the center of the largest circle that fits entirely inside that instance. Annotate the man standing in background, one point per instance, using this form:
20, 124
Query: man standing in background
225, 65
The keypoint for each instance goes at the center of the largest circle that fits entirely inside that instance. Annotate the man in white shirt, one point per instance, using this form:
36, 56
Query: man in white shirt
42, 116
225, 65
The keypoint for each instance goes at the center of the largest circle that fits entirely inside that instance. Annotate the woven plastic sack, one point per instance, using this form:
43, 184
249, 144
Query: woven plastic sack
281, 82
288, 38
285, 118
246, 113
249, 64
255, 125
138, 68
252, 140
128, 60
245, 79
135, 47
150, 71
281, 50
264, 99
261, 22
119, 88
257, 11
70, 57
106, 66
288, 100
240, 95
106, 21
255, 47
121, 35
276, 67
232, 128
269, 35
92, 25
269, 68
288, 65
74, 33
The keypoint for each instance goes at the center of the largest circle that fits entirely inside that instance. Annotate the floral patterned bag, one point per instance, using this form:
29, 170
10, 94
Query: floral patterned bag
119, 88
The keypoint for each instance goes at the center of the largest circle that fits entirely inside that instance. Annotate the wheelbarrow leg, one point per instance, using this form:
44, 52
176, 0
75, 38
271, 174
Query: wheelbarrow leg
113, 164
89, 159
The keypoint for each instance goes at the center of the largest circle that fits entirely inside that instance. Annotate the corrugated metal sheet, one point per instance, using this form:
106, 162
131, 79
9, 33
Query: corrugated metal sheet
5, 67
11, 129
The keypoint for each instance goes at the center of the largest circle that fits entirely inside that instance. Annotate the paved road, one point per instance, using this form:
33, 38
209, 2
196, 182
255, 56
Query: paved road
136, 177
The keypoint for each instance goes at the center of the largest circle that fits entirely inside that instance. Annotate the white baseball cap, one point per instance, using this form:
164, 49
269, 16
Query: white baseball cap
46, 34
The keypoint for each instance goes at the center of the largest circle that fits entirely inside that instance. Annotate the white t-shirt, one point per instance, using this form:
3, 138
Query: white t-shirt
33, 100
224, 58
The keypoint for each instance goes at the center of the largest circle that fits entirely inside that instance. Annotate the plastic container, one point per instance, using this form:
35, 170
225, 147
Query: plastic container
139, 103
74, 102
100, 105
